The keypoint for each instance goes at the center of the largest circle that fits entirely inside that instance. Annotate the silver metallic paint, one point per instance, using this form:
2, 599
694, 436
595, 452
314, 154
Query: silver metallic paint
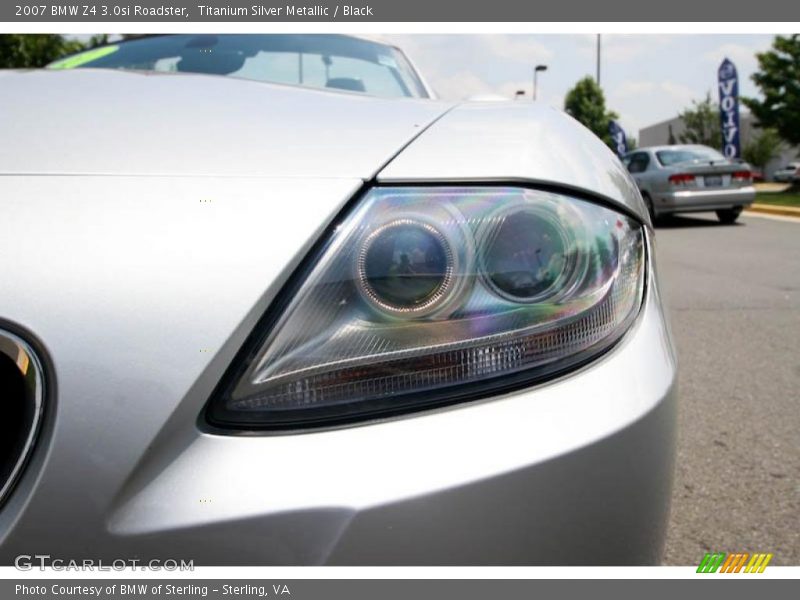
516, 141
88, 121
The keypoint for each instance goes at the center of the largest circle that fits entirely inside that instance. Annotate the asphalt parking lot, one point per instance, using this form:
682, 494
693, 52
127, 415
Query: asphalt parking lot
734, 296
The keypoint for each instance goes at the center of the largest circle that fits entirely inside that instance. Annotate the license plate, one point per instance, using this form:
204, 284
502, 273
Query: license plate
713, 180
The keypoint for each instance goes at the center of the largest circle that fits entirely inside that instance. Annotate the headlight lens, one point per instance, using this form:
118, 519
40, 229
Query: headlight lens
423, 296
406, 266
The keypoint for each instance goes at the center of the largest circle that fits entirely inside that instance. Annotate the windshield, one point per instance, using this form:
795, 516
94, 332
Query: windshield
319, 61
682, 155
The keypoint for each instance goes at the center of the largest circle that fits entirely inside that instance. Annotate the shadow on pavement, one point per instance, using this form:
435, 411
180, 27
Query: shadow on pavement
686, 222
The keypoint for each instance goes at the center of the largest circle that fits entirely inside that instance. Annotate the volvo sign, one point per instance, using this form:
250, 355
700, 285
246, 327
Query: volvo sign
728, 82
618, 137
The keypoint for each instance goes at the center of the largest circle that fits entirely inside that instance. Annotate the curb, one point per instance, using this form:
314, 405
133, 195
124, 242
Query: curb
771, 209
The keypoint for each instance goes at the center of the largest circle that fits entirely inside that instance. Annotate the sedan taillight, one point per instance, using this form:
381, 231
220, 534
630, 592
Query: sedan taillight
681, 179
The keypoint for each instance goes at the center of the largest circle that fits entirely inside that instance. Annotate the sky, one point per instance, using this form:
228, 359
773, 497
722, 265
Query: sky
646, 78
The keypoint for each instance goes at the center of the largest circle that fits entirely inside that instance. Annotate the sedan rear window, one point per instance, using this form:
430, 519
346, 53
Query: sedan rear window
319, 61
683, 155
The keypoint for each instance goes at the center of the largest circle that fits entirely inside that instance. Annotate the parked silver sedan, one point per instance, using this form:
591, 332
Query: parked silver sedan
691, 178
789, 173
245, 322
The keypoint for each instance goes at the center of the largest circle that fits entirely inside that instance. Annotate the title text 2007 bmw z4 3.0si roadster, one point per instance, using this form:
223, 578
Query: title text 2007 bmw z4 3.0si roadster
244, 321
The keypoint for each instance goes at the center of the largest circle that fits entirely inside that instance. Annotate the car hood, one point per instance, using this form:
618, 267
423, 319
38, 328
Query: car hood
104, 122
136, 123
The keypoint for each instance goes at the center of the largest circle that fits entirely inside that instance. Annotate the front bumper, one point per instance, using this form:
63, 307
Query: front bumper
705, 200
574, 471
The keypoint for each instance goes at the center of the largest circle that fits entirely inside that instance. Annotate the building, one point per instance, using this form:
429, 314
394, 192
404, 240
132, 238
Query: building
659, 134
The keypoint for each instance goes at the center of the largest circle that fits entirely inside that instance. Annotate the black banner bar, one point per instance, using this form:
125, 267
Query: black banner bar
729, 587
212, 11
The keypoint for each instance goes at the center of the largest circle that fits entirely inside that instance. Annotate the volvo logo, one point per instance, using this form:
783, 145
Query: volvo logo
728, 83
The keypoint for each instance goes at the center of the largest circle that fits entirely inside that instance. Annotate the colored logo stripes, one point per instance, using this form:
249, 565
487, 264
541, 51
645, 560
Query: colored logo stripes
734, 563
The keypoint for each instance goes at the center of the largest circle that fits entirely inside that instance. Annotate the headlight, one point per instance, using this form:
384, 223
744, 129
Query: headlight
426, 296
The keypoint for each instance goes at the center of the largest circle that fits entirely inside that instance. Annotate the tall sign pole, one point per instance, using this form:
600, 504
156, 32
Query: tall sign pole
536, 71
598, 59
728, 83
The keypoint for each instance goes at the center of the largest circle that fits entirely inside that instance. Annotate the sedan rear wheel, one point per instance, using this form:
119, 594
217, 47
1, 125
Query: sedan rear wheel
729, 215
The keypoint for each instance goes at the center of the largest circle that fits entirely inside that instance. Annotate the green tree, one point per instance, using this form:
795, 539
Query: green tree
762, 148
99, 39
29, 51
702, 124
586, 103
778, 78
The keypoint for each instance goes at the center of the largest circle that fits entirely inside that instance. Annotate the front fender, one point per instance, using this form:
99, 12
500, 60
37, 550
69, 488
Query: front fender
516, 142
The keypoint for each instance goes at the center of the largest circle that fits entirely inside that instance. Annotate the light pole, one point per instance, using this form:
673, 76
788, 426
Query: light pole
598, 59
536, 70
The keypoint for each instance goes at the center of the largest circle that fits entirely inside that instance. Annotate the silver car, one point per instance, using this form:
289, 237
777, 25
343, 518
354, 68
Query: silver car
691, 178
245, 322
789, 173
